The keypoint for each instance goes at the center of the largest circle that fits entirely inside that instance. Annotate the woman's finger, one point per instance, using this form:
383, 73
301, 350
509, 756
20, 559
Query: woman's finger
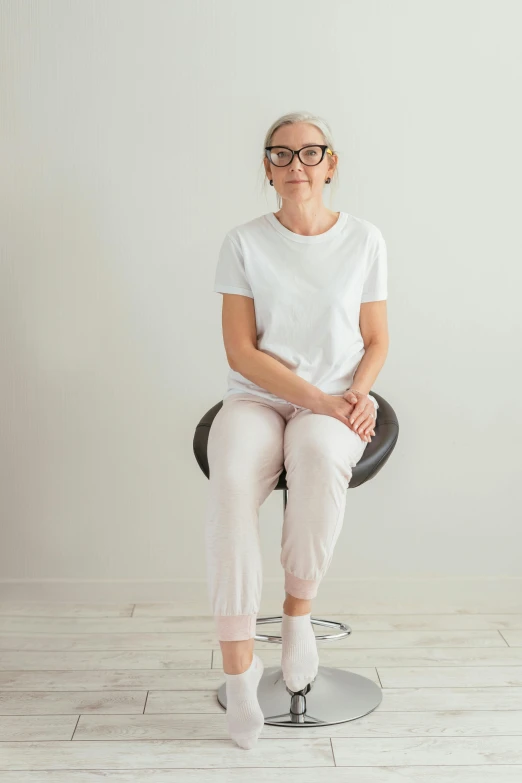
358, 415
367, 425
361, 418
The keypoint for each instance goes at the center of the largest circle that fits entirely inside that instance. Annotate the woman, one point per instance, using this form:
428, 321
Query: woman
305, 332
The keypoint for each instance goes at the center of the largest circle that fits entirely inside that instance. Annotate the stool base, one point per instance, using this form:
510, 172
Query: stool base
335, 696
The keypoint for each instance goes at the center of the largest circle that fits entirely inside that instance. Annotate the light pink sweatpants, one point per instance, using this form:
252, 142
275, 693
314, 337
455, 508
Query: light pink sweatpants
250, 440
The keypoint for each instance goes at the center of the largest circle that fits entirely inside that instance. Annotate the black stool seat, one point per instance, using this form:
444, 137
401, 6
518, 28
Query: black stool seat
335, 695
374, 457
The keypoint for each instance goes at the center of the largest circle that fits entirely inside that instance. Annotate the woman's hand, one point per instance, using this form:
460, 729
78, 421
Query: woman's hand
343, 407
362, 417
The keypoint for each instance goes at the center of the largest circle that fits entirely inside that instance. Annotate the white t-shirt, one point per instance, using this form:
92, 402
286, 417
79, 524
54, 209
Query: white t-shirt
307, 293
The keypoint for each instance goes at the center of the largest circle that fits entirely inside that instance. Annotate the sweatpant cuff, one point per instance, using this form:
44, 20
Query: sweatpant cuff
301, 588
234, 628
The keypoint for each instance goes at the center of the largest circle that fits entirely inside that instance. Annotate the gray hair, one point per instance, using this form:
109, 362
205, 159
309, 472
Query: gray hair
289, 119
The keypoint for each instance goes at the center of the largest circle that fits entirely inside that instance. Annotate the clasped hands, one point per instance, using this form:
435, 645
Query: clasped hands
362, 418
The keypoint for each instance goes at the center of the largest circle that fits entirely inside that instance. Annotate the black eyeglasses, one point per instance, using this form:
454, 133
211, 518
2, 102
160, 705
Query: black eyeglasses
283, 156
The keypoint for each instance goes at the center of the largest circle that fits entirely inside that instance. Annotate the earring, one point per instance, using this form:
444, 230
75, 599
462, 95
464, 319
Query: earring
271, 181
327, 181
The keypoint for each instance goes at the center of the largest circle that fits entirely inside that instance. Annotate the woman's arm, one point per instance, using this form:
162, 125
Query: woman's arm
273, 376
240, 338
374, 330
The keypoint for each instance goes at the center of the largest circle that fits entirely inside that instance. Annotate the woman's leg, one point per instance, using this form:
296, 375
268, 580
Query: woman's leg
245, 455
295, 607
319, 455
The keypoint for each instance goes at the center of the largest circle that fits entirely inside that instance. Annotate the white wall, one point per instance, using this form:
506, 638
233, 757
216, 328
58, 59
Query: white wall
111, 347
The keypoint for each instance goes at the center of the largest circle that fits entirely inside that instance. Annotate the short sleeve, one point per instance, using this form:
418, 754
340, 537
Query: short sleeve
376, 281
230, 275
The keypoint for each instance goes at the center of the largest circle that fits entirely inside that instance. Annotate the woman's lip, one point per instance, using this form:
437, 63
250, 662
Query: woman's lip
295, 181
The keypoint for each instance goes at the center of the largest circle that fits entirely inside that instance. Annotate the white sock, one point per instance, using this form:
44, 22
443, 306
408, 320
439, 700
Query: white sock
300, 658
244, 716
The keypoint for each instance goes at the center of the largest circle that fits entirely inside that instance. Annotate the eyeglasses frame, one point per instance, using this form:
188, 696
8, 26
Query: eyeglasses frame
324, 147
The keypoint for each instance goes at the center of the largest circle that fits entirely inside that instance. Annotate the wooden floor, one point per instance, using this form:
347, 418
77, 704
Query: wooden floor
127, 693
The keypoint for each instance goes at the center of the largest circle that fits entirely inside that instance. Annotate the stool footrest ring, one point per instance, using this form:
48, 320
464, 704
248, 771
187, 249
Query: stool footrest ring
344, 630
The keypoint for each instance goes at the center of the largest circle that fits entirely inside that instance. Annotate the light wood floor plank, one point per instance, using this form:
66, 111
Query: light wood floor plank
65, 609
75, 702
271, 605
94, 659
432, 774
122, 679
359, 622
457, 723
37, 727
408, 656
166, 754
513, 638
23, 658
406, 751
58, 634
394, 700
449, 676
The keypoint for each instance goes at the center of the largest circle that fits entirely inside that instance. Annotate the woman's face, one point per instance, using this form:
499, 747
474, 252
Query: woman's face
298, 182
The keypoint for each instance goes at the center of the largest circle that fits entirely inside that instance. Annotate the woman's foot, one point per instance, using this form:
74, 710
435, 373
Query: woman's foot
300, 658
244, 716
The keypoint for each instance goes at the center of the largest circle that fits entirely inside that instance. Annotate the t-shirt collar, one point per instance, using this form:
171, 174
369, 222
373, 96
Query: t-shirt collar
333, 231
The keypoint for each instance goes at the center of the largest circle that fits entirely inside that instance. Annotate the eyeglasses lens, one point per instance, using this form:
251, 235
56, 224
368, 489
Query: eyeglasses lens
310, 156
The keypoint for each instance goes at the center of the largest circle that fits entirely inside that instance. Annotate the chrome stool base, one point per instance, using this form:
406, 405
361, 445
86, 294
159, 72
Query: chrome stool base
334, 696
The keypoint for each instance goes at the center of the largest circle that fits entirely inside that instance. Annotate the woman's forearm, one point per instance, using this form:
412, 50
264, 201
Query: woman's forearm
370, 366
267, 372
270, 374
